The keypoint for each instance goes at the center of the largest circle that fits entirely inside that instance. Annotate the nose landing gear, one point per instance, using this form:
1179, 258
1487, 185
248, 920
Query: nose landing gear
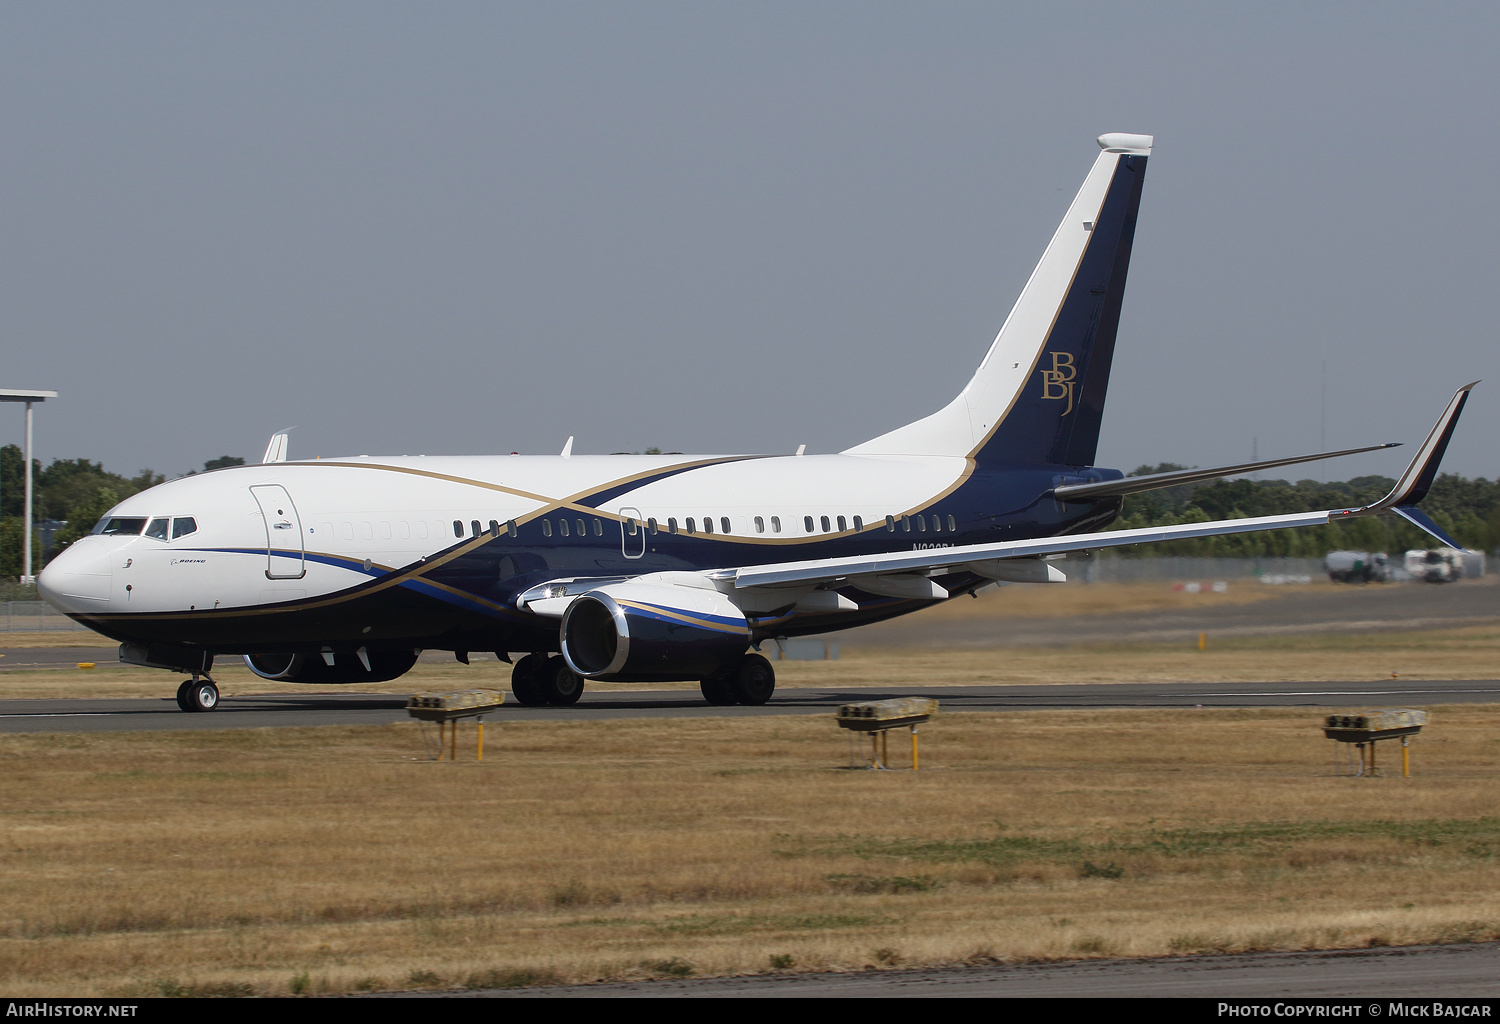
198, 694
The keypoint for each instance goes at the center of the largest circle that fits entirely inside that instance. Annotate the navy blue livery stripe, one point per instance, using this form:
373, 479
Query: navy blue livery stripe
1056, 418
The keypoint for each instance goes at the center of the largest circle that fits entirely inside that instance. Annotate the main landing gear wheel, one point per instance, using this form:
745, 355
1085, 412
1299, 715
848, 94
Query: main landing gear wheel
564, 686
526, 680
754, 680
719, 689
197, 695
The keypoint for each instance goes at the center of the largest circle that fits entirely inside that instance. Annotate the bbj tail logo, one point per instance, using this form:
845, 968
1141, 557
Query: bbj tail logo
1057, 383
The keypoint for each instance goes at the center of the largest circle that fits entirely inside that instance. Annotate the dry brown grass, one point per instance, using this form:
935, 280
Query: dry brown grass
332, 859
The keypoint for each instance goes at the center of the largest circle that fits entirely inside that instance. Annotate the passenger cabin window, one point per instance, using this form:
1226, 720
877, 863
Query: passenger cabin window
921, 524
952, 525
458, 527
775, 524
890, 524
631, 526
599, 528
651, 526
690, 527
562, 527
906, 524
937, 524
808, 523
826, 526
671, 524
474, 526
582, 529
723, 524
842, 524
158, 528
546, 527
494, 527
708, 524
760, 525
183, 526
511, 527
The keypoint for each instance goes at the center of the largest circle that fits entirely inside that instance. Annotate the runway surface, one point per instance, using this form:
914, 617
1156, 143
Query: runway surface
323, 708
1403, 973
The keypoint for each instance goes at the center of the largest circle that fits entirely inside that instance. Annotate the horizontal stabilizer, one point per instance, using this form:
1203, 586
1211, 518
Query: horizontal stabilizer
1135, 484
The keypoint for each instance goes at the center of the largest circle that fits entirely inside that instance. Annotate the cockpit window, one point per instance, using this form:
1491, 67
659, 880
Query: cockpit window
158, 528
184, 525
120, 526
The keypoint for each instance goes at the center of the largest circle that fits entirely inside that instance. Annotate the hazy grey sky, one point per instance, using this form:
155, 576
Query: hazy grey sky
726, 227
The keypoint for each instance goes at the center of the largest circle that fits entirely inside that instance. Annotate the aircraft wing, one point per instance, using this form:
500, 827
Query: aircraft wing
1402, 499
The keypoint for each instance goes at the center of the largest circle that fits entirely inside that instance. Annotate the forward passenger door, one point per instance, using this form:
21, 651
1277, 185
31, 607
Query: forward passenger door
285, 555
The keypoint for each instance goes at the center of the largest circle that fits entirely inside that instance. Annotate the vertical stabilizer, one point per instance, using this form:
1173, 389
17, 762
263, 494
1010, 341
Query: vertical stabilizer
1038, 397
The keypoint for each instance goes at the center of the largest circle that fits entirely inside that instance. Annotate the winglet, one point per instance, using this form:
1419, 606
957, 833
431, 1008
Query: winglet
276, 449
1417, 480
1420, 520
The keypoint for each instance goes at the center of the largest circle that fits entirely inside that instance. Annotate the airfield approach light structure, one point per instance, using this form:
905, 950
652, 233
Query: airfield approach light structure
8, 395
447, 708
1367, 728
879, 717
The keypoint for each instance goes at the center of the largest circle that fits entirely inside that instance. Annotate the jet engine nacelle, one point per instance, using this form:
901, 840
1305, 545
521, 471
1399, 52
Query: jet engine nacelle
347, 667
652, 631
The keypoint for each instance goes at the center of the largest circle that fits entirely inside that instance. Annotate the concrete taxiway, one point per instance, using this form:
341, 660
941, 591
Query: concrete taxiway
1408, 973
324, 708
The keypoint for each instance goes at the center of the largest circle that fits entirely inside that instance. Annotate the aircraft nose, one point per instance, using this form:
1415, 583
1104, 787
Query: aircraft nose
78, 579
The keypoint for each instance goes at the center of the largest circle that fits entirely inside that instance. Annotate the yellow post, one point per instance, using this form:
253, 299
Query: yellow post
914, 748
453, 741
1405, 759
479, 755
1202, 641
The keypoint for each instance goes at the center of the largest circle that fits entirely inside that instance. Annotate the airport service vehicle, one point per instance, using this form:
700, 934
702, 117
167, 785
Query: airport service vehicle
1435, 565
661, 567
1357, 566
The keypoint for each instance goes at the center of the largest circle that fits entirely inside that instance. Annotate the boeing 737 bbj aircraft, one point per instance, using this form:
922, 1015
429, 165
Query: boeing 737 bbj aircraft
658, 567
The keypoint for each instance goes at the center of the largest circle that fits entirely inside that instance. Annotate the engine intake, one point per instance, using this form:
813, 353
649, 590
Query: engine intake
652, 632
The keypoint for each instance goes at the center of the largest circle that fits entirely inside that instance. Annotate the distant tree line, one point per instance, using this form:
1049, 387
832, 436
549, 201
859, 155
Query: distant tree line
75, 491
1469, 510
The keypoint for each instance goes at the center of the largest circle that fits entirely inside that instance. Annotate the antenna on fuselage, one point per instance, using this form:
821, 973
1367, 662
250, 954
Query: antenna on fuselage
276, 450
567, 451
